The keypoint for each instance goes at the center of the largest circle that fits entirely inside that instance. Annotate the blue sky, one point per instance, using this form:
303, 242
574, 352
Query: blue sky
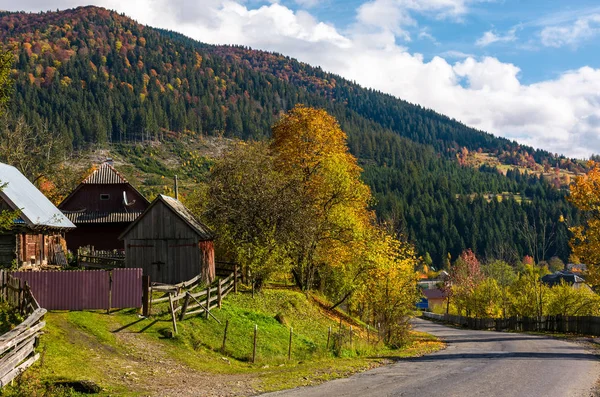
526, 70
527, 18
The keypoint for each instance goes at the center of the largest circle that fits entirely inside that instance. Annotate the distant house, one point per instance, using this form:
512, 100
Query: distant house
169, 243
435, 297
564, 276
40, 226
102, 206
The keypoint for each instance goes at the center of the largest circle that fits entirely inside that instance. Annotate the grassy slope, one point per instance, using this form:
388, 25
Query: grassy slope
128, 355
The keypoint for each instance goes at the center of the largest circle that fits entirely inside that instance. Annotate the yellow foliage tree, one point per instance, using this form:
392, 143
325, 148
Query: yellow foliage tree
585, 243
388, 292
333, 216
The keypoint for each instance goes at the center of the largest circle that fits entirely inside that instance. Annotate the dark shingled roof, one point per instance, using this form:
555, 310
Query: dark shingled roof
177, 206
101, 217
204, 233
562, 275
105, 174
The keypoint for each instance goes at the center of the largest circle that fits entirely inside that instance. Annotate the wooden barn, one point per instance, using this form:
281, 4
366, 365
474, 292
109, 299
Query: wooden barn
170, 244
102, 206
37, 234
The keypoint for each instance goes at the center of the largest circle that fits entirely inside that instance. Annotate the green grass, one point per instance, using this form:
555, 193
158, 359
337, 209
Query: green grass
127, 355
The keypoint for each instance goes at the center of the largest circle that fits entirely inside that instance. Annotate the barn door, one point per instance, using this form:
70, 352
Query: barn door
182, 258
160, 264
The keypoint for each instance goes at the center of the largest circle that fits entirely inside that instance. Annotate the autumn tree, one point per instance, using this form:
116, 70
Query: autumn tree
250, 204
35, 151
310, 147
6, 217
6, 83
504, 276
465, 276
585, 241
388, 293
528, 293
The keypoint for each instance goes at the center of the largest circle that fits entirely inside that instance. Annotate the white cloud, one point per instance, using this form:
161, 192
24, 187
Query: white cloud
307, 3
561, 115
424, 34
582, 29
490, 37
454, 54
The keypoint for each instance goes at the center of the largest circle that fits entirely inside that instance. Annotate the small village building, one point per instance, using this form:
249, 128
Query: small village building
102, 206
564, 276
170, 243
37, 234
435, 297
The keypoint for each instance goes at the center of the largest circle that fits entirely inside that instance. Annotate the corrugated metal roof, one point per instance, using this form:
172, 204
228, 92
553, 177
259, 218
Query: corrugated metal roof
105, 174
203, 231
36, 210
102, 217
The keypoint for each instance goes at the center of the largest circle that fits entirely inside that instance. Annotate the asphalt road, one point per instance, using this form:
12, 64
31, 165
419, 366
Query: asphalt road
475, 363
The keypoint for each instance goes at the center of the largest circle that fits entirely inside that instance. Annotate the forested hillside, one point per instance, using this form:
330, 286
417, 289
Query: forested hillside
97, 78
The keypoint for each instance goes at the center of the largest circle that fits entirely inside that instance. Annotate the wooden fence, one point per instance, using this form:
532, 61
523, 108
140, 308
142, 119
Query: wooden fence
583, 325
88, 257
183, 302
17, 346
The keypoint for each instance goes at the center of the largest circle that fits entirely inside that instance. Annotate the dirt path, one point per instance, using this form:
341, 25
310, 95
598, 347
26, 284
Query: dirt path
151, 369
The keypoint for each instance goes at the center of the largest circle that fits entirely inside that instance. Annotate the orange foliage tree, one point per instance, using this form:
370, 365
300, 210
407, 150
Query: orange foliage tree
585, 242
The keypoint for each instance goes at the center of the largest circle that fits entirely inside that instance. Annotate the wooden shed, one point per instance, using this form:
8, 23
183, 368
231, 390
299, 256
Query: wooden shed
170, 243
102, 206
37, 234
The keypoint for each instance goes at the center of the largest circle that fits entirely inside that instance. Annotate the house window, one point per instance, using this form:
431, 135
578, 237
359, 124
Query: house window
105, 197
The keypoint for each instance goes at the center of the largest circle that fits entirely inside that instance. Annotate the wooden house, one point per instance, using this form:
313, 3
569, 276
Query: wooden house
102, 206
169, 243
435, 297
37, 234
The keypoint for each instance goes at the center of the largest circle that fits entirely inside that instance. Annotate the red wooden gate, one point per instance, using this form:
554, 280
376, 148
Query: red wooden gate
85, 289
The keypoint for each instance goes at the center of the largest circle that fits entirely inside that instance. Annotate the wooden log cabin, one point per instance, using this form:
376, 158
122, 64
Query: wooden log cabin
102, 206
36, 236
170, 243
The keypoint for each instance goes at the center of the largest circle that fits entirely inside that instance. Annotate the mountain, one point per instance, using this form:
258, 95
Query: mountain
98, 78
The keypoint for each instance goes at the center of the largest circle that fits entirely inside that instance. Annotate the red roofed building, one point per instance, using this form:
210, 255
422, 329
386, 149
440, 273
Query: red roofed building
102, 206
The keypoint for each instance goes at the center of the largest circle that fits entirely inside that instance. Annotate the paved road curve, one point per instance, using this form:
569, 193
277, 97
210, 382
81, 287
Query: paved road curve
475, 363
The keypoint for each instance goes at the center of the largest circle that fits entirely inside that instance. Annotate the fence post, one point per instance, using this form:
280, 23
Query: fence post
172, 313
235, 278
225, 336
254, 346
219, 293
207, 300
290, 346
146, 296
110, 281
186, 302
20, 296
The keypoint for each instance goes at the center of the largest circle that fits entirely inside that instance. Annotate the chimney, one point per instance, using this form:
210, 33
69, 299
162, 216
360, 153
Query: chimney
176, 189
109, 161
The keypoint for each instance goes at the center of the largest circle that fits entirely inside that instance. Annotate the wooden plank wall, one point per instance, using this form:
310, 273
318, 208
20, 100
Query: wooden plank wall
164, 246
